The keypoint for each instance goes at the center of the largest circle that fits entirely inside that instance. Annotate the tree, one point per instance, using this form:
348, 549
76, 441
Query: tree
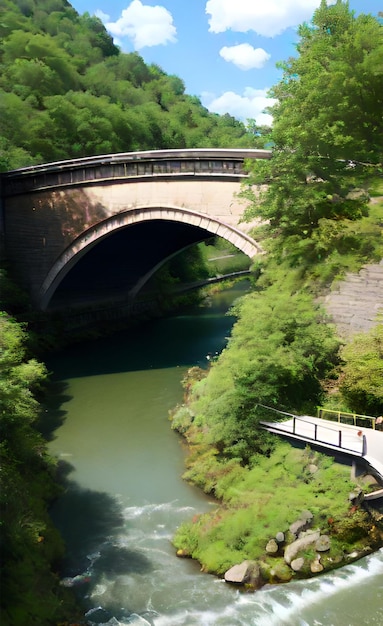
361, 380
261, 133
88, 125
328, 128
99, 37
279, 350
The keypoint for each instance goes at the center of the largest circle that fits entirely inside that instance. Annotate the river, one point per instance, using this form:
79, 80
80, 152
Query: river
125, 497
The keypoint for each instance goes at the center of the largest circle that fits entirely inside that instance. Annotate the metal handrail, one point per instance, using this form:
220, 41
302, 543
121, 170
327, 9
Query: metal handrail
340, 435
355, 417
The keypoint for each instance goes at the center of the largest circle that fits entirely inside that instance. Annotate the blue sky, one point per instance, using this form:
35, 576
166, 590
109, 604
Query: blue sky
225, 51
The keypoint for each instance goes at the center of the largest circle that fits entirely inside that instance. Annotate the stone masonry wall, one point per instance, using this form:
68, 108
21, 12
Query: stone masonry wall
356, 301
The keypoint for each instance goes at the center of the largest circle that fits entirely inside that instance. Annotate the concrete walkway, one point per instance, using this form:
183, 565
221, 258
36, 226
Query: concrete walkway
354, 441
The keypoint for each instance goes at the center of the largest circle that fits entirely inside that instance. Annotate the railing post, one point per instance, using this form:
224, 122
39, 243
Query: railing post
315, 432
293, 425
340, 438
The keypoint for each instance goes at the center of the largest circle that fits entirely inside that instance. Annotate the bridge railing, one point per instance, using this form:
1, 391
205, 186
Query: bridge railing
120, 171
342, 417
349, 442
135, 165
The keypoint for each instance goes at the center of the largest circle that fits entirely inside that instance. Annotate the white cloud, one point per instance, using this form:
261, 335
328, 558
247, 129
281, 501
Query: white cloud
144, 25
248, 106
104, 17
245, 56
267, 18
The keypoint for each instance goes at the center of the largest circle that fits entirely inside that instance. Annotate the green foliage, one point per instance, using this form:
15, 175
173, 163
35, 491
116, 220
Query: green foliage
352, 528
362, 373
182, 419
278, 351
222, 257
29, 545
187, 267
327, 136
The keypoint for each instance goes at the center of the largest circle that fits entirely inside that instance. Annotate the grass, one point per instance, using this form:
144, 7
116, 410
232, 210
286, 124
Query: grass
258, 503
223, 258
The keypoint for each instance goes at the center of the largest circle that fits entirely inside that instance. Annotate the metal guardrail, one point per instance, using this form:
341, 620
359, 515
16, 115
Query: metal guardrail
342, 417
340, 438
336, 439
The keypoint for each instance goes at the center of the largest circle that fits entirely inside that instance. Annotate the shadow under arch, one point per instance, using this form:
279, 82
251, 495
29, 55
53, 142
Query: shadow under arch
91, 237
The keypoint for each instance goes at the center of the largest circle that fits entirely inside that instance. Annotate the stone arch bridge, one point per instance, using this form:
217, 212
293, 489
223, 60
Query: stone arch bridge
101, 226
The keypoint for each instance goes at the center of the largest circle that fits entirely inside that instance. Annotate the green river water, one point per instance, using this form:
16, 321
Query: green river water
125, 496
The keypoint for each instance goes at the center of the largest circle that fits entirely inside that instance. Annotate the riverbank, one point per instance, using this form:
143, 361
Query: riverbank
294, 514
31, 547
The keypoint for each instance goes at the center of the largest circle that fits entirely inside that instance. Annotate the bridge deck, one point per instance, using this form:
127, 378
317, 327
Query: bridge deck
354, 441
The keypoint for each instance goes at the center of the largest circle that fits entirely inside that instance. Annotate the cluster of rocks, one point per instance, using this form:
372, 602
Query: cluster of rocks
291, 546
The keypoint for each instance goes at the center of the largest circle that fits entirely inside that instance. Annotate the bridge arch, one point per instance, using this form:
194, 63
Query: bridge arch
130, 217
55, 213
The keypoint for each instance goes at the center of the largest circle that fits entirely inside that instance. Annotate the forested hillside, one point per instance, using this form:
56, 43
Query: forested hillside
67, 91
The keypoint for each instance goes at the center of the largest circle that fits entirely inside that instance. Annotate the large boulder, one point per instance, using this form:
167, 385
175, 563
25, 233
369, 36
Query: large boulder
297, 564
302, 524
323, 544
276, 571
316, 566
298, 526
272, 547
247, 572
307, 515
300, 544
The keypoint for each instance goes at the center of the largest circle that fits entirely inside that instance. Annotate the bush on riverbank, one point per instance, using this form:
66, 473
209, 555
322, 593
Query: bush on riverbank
279, 350
30, 545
